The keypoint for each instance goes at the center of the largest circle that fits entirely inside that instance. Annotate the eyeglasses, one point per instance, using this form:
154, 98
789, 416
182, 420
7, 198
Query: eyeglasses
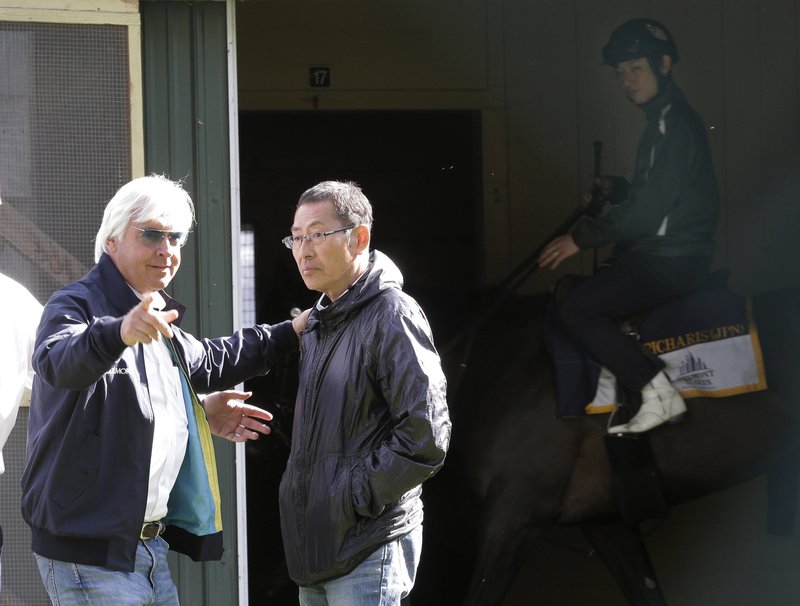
152, 237
315, 238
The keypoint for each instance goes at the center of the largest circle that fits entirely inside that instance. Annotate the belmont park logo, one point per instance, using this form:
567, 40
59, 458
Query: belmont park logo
694, 372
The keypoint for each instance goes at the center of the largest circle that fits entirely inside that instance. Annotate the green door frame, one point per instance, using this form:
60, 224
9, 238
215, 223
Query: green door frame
186, 133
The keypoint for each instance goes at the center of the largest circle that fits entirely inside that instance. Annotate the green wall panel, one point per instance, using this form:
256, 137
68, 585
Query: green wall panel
186, 137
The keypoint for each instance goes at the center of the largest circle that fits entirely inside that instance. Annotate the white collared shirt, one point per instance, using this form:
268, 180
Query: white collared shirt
170, 424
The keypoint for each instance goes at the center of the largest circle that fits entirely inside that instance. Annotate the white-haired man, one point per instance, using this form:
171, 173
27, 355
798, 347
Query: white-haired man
119, 448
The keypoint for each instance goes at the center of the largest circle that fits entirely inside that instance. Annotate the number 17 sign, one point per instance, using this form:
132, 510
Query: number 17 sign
319, 76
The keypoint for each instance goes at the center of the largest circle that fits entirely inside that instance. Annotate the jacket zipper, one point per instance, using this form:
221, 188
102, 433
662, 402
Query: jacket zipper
304, 468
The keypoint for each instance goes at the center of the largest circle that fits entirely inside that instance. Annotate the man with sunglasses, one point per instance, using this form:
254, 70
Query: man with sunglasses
119, 446
370, 423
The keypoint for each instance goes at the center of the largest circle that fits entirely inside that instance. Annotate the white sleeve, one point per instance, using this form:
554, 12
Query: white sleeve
17, 339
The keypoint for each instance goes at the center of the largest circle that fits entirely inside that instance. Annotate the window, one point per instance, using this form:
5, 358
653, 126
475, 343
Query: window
70, 136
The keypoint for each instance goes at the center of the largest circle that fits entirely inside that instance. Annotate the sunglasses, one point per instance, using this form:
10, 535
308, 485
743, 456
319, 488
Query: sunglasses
152, 237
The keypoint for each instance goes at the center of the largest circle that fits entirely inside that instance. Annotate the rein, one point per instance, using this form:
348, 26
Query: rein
509, 286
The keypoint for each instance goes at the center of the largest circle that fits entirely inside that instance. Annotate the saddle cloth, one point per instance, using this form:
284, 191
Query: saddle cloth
708, 341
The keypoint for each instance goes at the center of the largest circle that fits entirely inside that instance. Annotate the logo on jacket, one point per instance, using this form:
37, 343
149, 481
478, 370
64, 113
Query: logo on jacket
118, 370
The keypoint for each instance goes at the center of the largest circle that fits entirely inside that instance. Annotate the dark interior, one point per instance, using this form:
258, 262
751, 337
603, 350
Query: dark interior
419, 170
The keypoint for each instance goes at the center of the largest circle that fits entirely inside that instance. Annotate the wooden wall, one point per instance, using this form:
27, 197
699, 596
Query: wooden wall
533, 68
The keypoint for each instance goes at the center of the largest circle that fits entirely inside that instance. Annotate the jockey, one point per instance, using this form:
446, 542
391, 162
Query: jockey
661, 225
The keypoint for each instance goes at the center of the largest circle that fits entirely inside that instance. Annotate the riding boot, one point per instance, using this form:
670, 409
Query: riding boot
661, 402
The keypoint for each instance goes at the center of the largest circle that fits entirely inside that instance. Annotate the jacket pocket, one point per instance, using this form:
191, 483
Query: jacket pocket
80, 474
330, 517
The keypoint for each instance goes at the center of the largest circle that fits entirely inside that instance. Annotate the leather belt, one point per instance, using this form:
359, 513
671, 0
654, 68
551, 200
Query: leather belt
151, 530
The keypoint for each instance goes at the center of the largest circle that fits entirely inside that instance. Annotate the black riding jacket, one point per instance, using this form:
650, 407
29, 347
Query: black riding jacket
672, 206
370, 425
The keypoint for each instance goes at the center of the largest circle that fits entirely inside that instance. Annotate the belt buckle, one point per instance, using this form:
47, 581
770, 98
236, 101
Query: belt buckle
147, 530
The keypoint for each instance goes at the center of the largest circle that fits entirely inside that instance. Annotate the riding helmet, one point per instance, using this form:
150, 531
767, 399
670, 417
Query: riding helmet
639, 38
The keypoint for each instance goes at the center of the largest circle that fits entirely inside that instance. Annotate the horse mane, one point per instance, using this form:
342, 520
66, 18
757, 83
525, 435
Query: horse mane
514, 325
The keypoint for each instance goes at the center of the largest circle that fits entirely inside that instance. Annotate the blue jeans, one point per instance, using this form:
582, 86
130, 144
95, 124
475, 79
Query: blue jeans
150, 584
383, 579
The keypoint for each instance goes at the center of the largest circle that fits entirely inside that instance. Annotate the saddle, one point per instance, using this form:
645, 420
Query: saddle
707, 341
580, 379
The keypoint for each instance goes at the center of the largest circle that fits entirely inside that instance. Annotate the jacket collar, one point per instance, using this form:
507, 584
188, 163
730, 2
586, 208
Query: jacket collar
382, 274
670, 94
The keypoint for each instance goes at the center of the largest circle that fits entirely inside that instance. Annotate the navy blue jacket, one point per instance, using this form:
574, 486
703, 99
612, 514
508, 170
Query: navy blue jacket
90, 430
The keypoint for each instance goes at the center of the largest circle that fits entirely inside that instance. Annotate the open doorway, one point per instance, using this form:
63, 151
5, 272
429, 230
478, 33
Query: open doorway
421, 171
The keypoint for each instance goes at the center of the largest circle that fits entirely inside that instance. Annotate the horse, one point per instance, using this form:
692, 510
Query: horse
515, 469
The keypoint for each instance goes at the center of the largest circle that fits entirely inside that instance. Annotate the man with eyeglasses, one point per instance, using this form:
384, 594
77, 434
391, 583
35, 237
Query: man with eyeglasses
370, 423
119, 445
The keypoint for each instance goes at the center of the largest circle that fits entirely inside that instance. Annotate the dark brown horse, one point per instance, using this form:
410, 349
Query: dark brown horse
515, 469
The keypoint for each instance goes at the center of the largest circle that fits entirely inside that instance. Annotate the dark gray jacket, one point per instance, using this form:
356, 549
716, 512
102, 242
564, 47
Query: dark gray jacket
370, 425
672, 206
